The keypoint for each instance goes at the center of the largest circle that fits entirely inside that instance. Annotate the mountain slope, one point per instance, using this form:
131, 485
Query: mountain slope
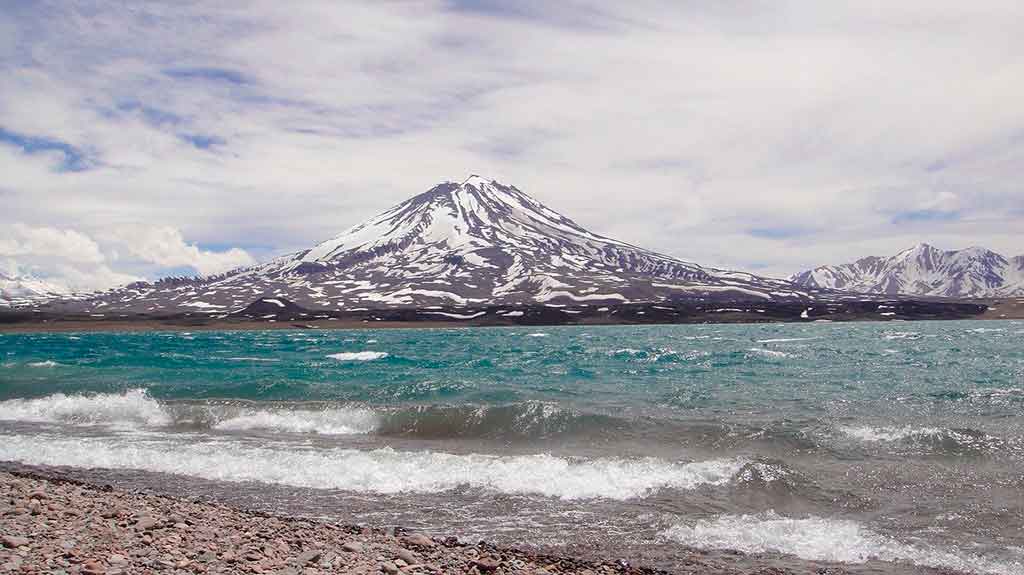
924, 270
16, 290
472, 243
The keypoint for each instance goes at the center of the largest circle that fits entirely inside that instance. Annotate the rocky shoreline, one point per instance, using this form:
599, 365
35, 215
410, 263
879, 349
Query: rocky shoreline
257, 317
63, 526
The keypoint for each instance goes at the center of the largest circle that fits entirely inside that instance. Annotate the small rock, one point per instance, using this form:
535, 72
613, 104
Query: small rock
37, 494
400, 563
353, 547
145, 524
389, 567
419, 540
408, 556
117, 559
208, 556
13, 541
486, 563
181, 526
310, 556
92, 568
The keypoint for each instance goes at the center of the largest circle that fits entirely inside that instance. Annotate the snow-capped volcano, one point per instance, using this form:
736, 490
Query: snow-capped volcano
470, 243
924, 270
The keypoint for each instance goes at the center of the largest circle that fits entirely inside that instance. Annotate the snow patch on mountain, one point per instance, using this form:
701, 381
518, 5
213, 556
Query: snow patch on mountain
926, 271
24, 289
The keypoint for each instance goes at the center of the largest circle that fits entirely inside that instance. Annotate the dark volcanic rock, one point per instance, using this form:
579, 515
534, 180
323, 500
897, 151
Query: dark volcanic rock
272, 308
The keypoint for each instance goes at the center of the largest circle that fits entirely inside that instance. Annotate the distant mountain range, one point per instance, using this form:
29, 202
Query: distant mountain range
470, 243
924, 270
25, 289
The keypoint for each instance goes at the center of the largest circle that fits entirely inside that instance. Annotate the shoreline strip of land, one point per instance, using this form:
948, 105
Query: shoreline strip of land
57, 525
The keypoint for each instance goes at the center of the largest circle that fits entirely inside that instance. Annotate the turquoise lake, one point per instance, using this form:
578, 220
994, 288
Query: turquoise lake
892, 447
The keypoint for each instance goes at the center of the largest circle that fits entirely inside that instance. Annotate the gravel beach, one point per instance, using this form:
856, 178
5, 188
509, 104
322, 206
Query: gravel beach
58, 526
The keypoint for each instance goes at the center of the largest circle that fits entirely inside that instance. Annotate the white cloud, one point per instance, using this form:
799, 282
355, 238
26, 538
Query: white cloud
69, 245
732, 134
166, 247
79, 262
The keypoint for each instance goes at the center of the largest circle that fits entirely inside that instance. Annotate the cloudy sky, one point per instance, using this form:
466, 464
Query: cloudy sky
139, 139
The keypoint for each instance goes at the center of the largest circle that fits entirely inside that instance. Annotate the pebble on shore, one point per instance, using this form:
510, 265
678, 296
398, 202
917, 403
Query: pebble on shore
77, 529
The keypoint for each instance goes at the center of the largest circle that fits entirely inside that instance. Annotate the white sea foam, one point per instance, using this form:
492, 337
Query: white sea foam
901, 335
340, 421
627, 351
358, 355
376, 471
256, 359
769, 352
819, 539
538, 334
888, 433
47, 363
131, 408
785, 339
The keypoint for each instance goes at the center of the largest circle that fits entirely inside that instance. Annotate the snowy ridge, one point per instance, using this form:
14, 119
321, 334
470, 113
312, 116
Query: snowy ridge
477, 242
924, 270
17, 290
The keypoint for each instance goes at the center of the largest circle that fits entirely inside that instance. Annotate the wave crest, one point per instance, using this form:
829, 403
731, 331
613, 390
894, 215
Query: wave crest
131, 408
338, 421
377, 471
529, 420
358, 355
938, 438
819, 539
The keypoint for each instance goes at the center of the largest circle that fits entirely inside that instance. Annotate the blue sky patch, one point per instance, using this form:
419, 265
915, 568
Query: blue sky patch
202, 141
210, 74
74, 158
925, 216
777, 233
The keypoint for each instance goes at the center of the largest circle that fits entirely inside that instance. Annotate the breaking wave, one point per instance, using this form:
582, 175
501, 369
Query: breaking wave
769, 352
377, 471
528, 420
131, 408
358, 355
939, 438
819, 539
653, 355
136, 408
339, 421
